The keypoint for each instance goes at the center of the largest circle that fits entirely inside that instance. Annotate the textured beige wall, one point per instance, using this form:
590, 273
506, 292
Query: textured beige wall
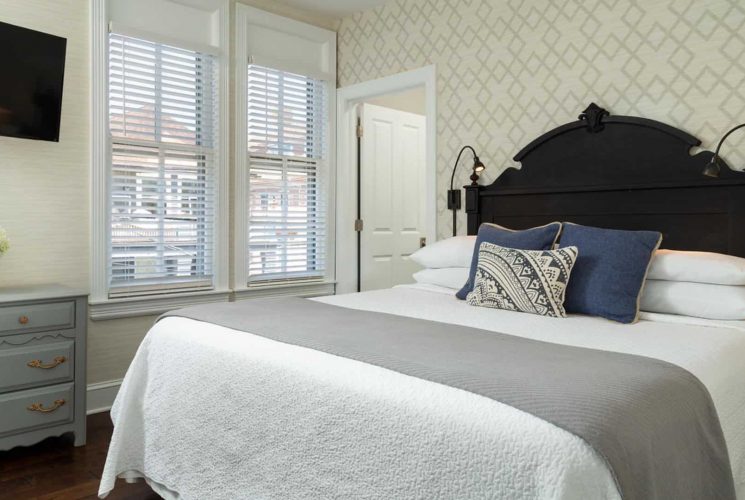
509, 71
44, 187
112, 345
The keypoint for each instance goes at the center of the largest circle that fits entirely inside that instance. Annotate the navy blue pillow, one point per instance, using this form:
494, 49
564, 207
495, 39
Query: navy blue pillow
536, 238
610, 271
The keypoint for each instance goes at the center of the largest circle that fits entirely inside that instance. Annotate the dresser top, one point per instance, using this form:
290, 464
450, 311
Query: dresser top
39, 292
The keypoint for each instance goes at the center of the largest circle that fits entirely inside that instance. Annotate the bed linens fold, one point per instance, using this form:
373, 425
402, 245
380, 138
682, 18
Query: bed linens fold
653, 422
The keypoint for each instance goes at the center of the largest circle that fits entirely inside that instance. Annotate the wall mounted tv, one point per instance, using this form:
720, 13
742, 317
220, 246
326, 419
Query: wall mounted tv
33, 68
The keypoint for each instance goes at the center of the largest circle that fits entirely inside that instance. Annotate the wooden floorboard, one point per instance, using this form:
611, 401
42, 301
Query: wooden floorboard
55, 470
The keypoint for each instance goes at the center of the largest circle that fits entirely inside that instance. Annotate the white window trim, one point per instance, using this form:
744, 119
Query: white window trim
101, 306
312, 289
243, 15
131, 307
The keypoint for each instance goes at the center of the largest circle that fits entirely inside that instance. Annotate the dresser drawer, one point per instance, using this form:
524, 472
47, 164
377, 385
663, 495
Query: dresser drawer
36, 408
37, 317
32, 366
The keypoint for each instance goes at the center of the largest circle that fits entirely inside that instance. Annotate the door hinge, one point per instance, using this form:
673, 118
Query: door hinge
358, 225
359, 130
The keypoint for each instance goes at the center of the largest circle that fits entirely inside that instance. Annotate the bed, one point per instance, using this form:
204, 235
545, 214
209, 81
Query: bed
209, 411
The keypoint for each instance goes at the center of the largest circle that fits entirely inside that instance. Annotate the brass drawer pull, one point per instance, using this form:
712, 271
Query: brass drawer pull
40, 406
36, 363
23, 320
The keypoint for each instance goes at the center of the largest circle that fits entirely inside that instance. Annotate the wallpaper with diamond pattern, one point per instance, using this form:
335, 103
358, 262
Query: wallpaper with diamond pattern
509, 70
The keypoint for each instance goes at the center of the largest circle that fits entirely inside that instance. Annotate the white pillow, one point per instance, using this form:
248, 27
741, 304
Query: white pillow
698, 267
451, 252
699, 300
449, 277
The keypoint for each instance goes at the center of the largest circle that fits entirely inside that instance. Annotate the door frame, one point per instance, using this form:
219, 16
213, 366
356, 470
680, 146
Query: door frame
347, 99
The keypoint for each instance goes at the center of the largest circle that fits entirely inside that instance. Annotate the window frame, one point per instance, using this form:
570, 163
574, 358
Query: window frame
155, 147
246, 18
101, 306
311, 161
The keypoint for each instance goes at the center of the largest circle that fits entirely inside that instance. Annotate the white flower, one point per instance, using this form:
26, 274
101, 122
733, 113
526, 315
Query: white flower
4, 243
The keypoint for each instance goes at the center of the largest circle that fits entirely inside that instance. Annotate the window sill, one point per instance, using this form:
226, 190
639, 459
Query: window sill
158, 304
153, 304
313, 289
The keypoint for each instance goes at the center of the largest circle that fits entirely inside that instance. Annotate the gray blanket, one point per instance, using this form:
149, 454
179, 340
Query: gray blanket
653, 422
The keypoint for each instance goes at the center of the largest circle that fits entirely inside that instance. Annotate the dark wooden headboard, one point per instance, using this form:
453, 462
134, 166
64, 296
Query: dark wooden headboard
618, 172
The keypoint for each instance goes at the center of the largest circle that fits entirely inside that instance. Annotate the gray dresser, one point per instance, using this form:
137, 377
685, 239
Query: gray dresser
42, 364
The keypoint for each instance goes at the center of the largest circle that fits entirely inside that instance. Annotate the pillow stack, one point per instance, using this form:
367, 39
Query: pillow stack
445, 262
522, 270
698, 284
604, 276
608, 273
453, 261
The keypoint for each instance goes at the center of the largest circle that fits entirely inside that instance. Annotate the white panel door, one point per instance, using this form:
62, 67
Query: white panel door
392, 195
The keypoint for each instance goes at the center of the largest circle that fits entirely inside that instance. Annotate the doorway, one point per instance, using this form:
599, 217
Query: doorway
392, 147
386, 172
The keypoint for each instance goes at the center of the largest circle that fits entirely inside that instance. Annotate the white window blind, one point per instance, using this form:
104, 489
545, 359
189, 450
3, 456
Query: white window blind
162, 119
287, 207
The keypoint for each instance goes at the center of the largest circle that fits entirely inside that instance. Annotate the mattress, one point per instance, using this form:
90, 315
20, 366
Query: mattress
206, 411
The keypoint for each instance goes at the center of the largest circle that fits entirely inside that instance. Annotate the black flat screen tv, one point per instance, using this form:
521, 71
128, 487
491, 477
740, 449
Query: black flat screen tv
32, 69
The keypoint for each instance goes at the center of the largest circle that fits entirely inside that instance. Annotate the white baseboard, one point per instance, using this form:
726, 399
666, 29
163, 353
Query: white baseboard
100, 396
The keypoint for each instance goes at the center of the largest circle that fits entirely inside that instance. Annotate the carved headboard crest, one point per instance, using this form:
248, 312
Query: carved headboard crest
593, 116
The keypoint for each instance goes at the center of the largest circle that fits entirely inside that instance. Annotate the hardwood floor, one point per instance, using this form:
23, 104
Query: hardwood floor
55, 469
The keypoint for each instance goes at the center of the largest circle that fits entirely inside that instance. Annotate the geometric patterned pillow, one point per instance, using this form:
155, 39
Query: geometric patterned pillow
531, 281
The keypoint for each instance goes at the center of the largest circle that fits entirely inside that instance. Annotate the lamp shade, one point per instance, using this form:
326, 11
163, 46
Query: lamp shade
712, 168
478, 166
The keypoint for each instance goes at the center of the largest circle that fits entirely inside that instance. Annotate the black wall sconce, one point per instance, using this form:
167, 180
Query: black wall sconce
454, 194
713, 168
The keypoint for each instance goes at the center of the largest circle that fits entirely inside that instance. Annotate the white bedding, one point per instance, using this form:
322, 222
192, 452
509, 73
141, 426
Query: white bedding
209, 412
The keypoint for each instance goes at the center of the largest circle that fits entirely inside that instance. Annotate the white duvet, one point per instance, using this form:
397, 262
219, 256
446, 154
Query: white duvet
207, 412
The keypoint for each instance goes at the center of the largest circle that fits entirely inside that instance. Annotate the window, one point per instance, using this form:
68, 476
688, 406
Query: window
162, 122
287, 174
